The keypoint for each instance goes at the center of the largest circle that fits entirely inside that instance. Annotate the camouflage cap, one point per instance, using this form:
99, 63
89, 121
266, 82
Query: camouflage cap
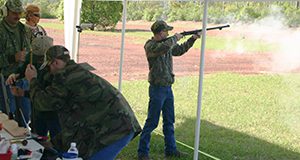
14, 5
159, 26
41, 44
53, 52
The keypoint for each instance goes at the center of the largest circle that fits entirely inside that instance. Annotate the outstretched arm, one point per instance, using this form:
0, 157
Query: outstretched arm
180, 49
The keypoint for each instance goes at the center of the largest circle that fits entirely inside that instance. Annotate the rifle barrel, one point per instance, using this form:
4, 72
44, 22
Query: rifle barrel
185, 33
200, 30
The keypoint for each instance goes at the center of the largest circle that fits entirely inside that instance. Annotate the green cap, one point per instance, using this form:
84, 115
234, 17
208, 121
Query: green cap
159, 26
41, 44
53, 52
15, 5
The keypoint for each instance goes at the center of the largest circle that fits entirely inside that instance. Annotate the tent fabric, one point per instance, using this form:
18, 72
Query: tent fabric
72, 18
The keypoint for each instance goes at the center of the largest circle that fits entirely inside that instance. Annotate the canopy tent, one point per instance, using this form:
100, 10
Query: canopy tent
72, 11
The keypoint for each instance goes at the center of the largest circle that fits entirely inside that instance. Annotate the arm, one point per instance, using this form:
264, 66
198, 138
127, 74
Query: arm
180, 49
155, 49
20, 73
51, 98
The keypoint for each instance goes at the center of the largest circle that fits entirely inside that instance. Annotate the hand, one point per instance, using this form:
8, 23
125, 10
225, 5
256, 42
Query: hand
12, 79
16, 91
30, 72
20, 56
178, 36
196, 36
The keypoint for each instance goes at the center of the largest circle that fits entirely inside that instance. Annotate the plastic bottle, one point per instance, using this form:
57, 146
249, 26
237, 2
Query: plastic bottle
14, 150
73, 149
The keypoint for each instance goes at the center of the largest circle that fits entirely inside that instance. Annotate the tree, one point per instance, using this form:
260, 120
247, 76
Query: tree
2, 2
1, 5
48, 7
104, 14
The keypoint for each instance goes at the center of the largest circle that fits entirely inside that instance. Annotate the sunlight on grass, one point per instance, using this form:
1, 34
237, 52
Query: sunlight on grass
243, 116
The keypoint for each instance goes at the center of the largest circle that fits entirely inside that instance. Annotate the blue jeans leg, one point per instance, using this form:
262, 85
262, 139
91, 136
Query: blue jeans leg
11, 100
157, 95
168, 122
25, 101
110, 152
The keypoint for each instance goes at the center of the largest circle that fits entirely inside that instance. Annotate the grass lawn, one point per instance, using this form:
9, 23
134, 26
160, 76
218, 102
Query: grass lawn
244, 117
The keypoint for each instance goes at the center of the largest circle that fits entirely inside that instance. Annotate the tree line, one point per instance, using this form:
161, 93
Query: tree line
106, 14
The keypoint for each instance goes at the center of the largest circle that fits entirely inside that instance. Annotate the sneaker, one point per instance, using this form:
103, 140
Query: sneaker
143, 157
176, 154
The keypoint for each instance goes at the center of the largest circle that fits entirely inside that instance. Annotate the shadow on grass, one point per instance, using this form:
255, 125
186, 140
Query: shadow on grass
216, 141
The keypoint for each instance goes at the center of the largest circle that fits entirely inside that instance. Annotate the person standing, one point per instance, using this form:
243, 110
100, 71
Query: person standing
159, 51
32, 16
42, 122
14, 44
92, 113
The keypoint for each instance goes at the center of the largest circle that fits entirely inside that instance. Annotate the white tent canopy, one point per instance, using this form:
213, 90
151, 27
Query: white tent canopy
72, 11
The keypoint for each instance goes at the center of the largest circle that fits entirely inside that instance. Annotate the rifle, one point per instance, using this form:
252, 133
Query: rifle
185, 33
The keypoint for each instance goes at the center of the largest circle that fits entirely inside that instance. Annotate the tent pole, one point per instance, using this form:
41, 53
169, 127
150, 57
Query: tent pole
201, 74
77, 44
122, 45
71, 34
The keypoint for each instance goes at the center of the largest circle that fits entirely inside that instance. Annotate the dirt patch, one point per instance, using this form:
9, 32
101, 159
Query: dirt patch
103, 53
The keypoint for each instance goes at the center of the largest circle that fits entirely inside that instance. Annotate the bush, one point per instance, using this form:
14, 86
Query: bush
103, 14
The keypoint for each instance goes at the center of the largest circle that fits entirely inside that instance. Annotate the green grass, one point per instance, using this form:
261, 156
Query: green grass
244, 117
59, 26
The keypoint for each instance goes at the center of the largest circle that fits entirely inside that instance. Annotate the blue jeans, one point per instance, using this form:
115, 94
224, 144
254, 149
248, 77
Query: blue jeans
46, 121
161, 99
110, 152
11, 100
25, 102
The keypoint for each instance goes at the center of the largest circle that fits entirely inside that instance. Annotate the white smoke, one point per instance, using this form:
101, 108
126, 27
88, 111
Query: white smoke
285, 55
284, 58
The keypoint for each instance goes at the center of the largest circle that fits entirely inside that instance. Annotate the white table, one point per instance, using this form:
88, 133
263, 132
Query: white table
32, 145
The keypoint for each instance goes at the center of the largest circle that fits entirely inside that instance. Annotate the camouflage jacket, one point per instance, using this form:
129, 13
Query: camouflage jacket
160, 61
91, 111
10, 45
44, 79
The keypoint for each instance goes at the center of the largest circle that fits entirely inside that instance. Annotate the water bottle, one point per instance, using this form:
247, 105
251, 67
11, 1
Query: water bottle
73, 149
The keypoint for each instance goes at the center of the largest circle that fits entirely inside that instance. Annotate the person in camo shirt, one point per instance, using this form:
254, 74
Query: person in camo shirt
14, 44
92, 112
42, 122
160, 51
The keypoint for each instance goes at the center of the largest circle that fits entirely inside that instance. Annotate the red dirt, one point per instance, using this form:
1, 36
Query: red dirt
103, 53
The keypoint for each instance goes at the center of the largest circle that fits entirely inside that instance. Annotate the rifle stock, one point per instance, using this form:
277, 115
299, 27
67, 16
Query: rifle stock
185, 33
